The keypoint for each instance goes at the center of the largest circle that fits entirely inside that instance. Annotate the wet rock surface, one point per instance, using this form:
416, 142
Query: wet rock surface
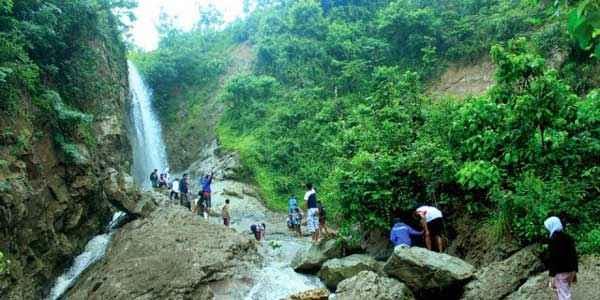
427, 273
169, 255
369, 285
335, 270
501, 278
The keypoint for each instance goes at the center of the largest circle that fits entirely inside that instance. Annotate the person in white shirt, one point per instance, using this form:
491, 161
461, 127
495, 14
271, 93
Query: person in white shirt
433, 224
312, 220
174, 190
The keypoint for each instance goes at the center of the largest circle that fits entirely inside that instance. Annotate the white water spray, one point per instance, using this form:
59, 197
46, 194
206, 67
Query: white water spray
145, 135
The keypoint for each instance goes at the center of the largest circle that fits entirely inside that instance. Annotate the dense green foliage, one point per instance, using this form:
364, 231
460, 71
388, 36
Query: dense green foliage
338, 97
48, 59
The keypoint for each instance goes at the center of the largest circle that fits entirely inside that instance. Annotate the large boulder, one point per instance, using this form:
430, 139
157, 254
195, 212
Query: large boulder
310, 261
503, 277
168, 255
588, 281
122, 193
429, 273
314, 294
335, 270
368, 285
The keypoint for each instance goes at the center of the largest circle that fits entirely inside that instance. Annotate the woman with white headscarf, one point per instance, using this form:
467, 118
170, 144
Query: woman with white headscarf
562, 264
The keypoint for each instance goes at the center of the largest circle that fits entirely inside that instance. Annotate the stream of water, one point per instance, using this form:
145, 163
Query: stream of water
94, 251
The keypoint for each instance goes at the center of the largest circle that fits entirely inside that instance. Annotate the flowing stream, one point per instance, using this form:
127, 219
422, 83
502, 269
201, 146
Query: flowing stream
145, 132
94, 250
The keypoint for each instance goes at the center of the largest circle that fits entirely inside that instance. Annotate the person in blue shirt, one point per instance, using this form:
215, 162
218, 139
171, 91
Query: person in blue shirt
400, 234
292, 204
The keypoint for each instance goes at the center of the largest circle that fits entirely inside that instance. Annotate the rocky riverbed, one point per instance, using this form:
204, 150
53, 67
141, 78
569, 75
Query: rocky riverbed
170, 253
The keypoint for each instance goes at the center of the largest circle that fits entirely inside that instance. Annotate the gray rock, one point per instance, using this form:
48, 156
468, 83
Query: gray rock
503, 277
122, 193
314, 294
335, 270
588, 281
368, 285
429, 273
311, 261
169, 255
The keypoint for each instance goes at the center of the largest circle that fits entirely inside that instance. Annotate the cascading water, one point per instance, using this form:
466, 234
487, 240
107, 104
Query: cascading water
94, 250
145, 134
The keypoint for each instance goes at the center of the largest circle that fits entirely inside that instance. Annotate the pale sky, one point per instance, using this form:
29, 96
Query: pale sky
185, 12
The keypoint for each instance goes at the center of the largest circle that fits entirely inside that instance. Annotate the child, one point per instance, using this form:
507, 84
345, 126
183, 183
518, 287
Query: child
225, 213
296, 220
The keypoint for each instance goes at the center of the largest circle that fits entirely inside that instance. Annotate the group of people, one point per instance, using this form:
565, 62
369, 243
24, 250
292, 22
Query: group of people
315, 218
562, 259
159, 180
431, 222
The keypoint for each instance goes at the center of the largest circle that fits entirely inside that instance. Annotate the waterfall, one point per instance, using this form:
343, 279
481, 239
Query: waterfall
145, 132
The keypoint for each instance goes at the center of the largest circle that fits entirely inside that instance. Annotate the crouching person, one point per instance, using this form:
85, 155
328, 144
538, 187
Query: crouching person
400, 235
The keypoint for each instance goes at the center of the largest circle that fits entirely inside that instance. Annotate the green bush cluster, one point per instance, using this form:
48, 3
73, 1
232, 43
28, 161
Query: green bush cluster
49, 58
338, 98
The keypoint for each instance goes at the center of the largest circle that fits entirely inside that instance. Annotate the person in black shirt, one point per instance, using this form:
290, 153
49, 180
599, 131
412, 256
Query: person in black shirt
562, 263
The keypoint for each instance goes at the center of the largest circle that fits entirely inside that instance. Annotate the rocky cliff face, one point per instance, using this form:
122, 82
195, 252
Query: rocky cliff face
51, 195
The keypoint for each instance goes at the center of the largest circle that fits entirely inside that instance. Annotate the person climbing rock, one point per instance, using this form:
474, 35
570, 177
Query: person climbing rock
184, 188
563, 263
154, 178
432, 222
174, 190
225, 213
206, 191
400, 235
313, 212
258, 230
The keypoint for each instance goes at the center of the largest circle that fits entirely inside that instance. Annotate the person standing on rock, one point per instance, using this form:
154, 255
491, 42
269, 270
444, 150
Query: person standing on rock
313, 212
322, 214
174, 190
206, 191
563, 262
154, 178
401, 232
432, 222
225, 213
184, 188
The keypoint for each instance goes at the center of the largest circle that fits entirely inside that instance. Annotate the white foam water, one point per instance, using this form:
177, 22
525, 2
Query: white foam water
94, 251
277, 279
